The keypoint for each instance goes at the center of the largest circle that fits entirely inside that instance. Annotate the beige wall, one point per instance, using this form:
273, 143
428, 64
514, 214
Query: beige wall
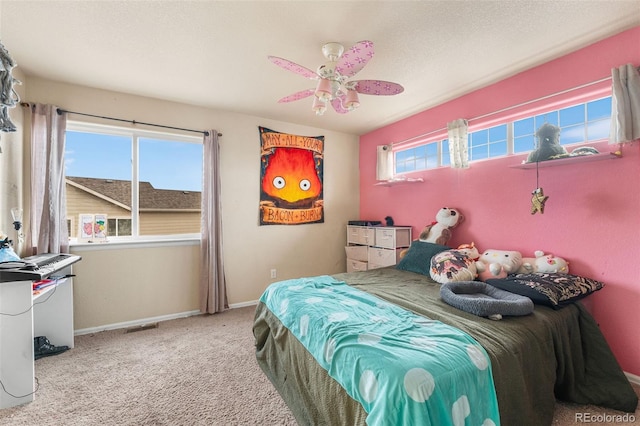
116, 284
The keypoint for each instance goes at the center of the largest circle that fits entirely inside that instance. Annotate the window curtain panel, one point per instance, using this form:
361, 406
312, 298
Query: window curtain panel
625, 104
384, 165
213, 290
48, 222
458, 143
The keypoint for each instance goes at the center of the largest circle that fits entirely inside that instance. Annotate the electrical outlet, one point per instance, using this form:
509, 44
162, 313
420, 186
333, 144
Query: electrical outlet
274, 273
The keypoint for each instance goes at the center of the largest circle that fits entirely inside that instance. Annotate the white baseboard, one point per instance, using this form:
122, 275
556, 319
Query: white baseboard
243, 304
633, 378
145, 321
134, 323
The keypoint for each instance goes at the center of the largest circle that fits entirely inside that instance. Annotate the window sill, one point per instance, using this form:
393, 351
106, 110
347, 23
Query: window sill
394, 182
570, 160
120, 243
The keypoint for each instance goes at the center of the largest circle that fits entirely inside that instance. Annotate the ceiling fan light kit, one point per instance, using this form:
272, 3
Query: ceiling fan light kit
333, 85
319, 106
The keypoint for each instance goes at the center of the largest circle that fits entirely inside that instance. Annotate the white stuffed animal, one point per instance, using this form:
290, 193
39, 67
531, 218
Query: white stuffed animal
498, 263
545, 263
439, 232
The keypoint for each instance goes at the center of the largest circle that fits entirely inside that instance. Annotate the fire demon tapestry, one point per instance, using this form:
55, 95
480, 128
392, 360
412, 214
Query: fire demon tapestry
290, 178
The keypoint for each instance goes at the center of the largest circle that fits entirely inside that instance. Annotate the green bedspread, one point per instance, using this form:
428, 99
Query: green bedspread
401, 367
534, 358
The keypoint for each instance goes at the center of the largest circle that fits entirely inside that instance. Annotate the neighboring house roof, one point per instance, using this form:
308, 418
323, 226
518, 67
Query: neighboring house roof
150, 198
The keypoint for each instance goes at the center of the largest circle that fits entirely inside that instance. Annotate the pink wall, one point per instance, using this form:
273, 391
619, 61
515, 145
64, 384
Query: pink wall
592, 217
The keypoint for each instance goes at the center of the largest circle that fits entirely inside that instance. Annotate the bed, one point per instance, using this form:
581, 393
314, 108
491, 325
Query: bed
532, 359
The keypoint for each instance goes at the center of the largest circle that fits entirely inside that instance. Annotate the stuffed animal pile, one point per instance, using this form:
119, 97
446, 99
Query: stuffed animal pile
465, 263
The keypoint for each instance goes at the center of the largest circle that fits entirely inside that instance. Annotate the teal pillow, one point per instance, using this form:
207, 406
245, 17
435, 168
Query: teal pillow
418, 257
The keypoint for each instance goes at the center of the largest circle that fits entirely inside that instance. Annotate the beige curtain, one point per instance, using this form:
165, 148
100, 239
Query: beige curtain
625, 104
458, 143
213, 290
48, 222
384, 165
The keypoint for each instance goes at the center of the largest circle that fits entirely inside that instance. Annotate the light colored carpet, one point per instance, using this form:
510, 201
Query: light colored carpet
191, 371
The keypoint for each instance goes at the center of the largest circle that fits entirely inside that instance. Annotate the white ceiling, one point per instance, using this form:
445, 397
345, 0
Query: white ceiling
214, 53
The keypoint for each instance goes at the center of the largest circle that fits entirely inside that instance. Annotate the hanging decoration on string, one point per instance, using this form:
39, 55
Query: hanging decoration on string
538, 199
548, 147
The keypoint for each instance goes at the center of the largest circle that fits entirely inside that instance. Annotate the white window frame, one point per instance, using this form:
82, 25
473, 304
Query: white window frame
135, 135
488, 124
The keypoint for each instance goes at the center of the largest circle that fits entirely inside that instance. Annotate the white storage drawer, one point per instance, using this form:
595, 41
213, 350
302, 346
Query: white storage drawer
379, 257
356, 265
360, 235
360, 253
393, 237
370, 247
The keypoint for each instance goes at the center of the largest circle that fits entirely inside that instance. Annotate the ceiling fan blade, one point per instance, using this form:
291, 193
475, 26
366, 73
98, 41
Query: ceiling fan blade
293, 67
297, 96
337, 104
355, 58
378, 87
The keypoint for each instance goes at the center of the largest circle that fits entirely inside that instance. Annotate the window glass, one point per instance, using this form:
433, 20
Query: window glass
600, 109
524, 127
598, 119
572, 115
572, 134
445, 158
419, 158
598, 129
98, 176
549, 117
479, 152
145, 185
524, 143
488, 143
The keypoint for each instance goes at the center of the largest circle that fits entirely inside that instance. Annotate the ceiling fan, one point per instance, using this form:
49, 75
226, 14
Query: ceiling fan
333, 76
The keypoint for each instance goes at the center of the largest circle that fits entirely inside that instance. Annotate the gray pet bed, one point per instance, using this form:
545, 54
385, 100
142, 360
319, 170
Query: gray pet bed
482, 299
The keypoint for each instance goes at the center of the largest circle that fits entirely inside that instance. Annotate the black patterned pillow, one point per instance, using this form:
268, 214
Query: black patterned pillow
553, 289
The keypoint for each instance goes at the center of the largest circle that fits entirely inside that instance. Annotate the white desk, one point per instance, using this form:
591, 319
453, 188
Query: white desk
51, 316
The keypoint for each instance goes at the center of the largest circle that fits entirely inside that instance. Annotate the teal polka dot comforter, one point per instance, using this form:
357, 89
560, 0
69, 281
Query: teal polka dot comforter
401, 367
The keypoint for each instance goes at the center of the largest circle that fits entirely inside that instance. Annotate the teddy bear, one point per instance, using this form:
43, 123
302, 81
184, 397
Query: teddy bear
439, 232
548, 146
545, 263
498, 263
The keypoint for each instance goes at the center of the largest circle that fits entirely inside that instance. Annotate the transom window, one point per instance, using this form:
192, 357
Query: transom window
147, 183
586, 122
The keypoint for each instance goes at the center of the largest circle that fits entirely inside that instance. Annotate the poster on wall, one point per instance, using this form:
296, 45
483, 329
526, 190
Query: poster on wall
291, 169
92, 227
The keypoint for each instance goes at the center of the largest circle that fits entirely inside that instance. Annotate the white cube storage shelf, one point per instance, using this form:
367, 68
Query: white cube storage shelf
381, 244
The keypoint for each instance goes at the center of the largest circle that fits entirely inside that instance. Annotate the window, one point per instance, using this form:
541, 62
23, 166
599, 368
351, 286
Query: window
586, 122
488, 143
582, 123
428, 156
147, 183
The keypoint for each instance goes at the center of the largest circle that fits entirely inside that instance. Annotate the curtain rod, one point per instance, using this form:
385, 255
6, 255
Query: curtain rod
507, 109
61, 110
